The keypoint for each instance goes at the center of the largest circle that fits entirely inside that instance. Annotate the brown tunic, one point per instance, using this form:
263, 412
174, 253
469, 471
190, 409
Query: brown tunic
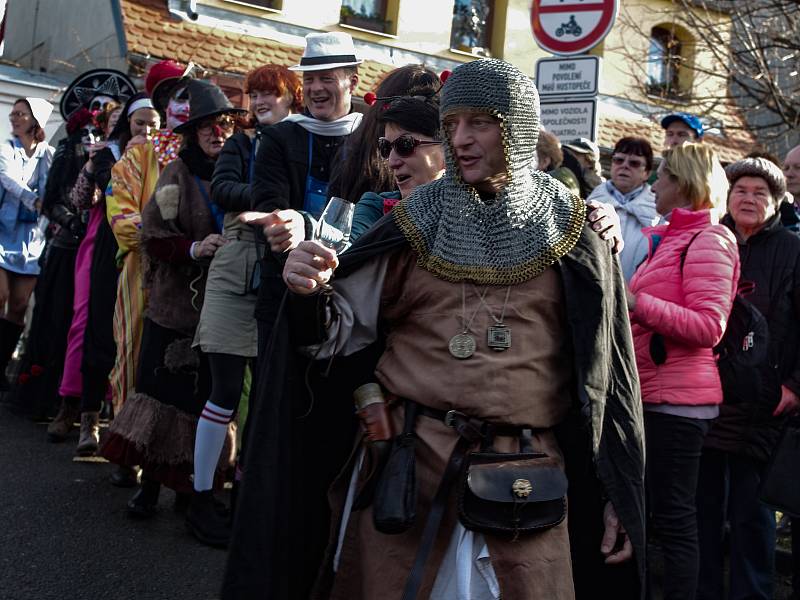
528, 384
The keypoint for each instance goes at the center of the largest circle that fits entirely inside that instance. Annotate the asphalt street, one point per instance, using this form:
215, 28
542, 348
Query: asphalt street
65, 533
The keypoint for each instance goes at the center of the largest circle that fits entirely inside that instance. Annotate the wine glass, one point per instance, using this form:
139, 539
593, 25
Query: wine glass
335, 223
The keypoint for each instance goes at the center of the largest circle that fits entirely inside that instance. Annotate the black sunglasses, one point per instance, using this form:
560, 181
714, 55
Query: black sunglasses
403, 145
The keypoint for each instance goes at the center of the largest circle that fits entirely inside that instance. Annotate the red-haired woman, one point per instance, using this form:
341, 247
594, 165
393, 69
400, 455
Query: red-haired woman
227, 330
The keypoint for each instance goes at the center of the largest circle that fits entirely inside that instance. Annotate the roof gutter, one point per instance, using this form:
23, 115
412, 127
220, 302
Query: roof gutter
116, 12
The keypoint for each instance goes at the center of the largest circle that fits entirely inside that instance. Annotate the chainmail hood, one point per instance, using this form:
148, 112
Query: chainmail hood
528, 226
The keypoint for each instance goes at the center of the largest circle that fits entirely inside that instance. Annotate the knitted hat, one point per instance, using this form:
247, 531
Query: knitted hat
759, 167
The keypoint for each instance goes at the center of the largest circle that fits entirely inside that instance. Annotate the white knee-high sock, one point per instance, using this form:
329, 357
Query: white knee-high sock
211, 430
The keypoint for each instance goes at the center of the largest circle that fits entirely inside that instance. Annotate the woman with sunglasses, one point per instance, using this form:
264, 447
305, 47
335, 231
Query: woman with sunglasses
181, 232
630, 195
679, 301
412, 149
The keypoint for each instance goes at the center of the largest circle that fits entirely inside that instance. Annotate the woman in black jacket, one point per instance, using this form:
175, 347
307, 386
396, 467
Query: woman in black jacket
741, 439
227, 329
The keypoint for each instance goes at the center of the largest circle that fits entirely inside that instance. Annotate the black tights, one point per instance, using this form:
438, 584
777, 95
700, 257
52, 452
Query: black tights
95, 388
227, 379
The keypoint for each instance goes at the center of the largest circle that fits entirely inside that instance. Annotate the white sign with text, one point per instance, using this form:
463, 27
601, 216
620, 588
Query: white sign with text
575, 76
570, 119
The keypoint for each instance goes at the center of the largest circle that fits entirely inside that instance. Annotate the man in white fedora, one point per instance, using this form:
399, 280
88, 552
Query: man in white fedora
292, 452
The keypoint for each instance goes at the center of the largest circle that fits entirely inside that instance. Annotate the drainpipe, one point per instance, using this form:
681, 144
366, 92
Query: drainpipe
192, 12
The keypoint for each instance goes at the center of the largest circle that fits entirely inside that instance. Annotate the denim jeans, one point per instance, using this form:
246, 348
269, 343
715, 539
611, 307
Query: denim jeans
728, 487
674, 445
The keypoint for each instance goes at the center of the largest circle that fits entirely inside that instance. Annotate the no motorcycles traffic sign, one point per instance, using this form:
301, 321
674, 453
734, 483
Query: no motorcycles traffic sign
567, 27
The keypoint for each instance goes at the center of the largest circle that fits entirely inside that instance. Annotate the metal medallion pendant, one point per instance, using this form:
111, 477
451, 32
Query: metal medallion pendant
498, 337
462, 345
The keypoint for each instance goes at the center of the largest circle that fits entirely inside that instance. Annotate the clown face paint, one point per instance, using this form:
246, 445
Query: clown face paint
178, 108
90, 135
99, 103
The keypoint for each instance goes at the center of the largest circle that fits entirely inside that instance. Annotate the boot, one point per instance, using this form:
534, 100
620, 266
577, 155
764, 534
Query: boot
124, 477
204, 521
59, 429
90, 434
144, 501
9, 336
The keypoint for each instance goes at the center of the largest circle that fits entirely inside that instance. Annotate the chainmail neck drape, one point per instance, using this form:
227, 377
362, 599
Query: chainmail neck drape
529, 225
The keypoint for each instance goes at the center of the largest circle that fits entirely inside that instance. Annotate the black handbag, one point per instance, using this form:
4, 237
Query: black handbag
394, 507
780, 487
511, 494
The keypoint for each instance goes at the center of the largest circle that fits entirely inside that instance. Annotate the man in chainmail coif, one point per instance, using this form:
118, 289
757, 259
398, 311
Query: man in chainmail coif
503, 359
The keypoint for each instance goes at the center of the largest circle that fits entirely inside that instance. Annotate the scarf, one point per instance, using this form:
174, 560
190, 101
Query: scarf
620, 197
198, 162
340, 127
201, 165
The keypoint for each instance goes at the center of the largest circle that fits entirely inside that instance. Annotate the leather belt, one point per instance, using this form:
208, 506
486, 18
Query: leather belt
470, 431
462, 423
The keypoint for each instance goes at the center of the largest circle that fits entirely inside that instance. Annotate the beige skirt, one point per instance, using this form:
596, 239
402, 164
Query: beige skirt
227, 324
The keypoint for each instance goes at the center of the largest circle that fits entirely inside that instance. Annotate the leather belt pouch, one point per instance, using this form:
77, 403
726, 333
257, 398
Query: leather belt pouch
394, 507
511, 494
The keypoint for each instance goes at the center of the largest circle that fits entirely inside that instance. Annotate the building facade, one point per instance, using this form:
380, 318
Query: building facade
641, 78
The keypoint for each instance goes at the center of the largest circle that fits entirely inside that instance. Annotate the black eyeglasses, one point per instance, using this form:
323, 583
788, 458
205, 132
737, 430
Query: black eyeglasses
403, 145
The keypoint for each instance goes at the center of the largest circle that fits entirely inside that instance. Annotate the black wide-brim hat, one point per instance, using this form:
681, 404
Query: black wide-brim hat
97, 82
205, 100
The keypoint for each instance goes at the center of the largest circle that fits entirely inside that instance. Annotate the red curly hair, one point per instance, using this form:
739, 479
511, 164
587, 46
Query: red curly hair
276, 79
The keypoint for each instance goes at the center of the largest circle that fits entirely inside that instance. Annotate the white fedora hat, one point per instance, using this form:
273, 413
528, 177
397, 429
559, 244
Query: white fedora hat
327, 51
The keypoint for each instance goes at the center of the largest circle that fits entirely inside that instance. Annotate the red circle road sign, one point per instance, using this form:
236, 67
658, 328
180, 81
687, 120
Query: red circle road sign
568, 27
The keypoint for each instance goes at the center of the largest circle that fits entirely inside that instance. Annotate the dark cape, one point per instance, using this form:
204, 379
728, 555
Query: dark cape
99, 348
602, 439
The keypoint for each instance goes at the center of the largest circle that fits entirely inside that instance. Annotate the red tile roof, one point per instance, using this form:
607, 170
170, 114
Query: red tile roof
151, 31
732, 146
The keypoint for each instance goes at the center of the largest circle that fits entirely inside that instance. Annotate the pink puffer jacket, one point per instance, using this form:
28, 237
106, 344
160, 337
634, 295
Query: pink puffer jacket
689, 308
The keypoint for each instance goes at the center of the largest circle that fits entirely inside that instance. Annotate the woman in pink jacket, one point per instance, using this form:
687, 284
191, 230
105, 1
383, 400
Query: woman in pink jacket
680, 298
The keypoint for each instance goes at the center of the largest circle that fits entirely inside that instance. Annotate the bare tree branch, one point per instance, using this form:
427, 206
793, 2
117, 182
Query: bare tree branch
748, 53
